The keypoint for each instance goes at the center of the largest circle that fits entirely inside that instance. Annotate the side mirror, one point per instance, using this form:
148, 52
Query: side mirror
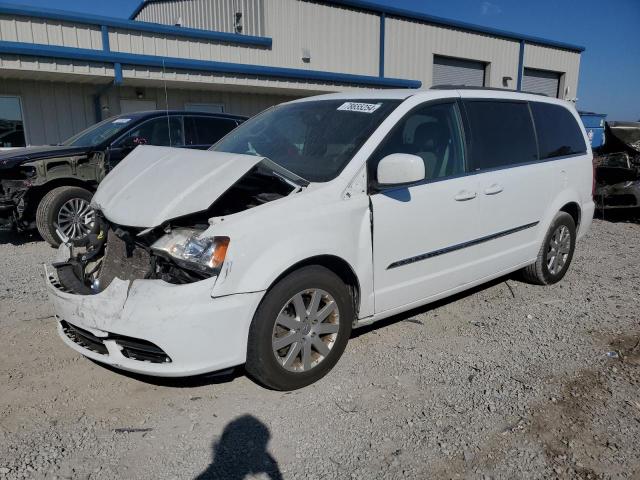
400, 169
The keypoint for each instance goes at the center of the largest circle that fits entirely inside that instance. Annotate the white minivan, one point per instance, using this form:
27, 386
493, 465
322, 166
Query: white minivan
315, 217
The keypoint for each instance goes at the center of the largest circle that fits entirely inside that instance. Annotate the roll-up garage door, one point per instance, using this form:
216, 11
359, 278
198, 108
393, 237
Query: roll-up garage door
455, 71
541, 81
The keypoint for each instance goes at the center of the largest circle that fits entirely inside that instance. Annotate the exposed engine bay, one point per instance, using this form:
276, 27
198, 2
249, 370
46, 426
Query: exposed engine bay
176, 252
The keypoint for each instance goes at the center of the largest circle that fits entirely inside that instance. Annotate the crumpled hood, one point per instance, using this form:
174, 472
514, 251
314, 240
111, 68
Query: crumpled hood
13, 158
155, 184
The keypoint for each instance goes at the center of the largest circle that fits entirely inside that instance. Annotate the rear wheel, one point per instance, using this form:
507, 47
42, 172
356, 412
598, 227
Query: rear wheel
68, 207
300, 329
556, 252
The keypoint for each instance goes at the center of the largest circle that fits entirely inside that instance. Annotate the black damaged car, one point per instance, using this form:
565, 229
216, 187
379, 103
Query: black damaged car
50, 187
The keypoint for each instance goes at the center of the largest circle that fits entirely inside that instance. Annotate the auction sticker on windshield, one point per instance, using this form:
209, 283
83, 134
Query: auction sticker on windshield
359, 107
122, 120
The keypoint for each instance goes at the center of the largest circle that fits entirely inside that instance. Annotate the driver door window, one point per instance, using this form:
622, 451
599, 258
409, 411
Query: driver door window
431, 132
159, 131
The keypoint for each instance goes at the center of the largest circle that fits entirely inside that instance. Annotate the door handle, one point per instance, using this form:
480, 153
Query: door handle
465, 195
493, 189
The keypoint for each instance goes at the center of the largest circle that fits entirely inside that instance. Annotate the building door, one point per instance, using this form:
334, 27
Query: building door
541, 81
456, 71
11, 124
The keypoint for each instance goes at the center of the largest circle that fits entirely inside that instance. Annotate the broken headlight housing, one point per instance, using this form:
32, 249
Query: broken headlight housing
189, 249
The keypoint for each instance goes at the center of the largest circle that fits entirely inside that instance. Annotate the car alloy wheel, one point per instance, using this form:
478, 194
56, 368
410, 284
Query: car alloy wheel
305, 330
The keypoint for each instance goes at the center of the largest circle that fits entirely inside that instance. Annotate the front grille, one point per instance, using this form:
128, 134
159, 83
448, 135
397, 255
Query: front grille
133, 348
84, 338
624, 200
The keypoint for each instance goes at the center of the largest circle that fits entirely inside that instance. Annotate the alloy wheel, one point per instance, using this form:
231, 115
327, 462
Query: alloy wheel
558, 249
76, 218
305, 330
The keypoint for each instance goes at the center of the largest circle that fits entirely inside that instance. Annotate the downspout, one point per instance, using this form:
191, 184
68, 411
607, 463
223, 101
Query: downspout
117, 74
383, 17
520, 65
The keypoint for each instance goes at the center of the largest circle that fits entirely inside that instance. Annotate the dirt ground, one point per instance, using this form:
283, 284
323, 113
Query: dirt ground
506, 381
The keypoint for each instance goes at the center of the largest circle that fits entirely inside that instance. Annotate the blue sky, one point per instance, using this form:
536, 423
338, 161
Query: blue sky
610, 67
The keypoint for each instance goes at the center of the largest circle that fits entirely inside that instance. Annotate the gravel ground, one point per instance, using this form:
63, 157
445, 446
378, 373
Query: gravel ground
507, 381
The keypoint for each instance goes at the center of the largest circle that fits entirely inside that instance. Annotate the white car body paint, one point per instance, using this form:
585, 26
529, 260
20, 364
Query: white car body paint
204, 326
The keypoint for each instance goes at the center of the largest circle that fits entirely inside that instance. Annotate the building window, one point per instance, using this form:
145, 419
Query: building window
11, 123
204, 107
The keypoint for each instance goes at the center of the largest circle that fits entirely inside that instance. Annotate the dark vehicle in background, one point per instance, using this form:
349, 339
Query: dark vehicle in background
617, 167
51, 187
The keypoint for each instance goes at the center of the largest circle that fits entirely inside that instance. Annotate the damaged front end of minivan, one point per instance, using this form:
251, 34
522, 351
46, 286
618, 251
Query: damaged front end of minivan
125, 293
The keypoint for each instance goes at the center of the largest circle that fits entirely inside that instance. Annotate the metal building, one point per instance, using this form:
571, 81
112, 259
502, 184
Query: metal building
62, 71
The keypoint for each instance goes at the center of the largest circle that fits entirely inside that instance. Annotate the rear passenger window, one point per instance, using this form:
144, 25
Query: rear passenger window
431, 132
205, 131
557, 129
501, 134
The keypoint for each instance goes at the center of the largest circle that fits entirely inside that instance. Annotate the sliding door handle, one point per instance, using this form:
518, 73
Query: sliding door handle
465, 195
493, 189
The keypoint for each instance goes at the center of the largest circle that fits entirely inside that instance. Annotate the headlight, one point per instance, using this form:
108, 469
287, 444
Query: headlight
188, 248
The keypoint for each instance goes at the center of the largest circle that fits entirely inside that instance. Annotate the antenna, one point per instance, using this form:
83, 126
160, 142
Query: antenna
166, 102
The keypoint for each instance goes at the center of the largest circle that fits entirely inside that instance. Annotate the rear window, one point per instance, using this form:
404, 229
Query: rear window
557, 129
501, 134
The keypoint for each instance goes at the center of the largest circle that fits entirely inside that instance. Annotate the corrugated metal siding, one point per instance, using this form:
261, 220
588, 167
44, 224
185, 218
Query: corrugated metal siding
411, 46
553, 59
39, 66
338, 40
49, 32
141, 75
239, 103
541, 81
453, 71
217, 15
52, 111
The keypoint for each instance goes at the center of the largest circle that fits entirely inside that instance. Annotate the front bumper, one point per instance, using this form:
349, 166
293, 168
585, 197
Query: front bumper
198, 333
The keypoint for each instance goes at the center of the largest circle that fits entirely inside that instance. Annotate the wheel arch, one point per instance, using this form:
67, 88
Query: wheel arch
573, 209
37, 192
335, 264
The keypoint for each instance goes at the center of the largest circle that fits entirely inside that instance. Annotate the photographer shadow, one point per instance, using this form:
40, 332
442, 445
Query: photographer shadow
242, 451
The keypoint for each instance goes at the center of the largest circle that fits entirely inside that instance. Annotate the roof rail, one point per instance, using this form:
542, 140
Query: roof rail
466, 87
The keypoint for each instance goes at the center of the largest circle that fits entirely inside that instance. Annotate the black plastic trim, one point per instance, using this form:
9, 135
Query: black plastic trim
452, 248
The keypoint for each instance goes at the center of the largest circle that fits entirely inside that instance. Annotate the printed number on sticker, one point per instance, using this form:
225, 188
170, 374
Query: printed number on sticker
359, 107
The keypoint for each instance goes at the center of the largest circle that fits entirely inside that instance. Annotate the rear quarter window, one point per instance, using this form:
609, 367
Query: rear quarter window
501, 134
558, 131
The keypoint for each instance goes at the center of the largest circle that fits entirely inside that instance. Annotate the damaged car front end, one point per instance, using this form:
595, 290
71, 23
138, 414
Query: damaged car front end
138, 293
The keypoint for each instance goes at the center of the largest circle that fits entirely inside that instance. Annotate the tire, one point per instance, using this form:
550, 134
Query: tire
267, 365
50, 206
544, 271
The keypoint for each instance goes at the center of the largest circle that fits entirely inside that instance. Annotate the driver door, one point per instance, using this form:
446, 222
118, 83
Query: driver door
419, 231
160, 131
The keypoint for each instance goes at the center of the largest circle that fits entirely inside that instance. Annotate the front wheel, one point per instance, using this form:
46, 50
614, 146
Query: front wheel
300, 329
556, 252
69, 208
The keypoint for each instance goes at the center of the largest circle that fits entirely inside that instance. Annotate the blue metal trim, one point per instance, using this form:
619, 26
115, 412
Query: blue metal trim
105, 38
383, 17
520, 65
52, 14
460, 246
117, 73
33, 49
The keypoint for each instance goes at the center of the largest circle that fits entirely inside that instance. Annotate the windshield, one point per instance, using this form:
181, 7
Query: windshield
98, 133
315, 139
